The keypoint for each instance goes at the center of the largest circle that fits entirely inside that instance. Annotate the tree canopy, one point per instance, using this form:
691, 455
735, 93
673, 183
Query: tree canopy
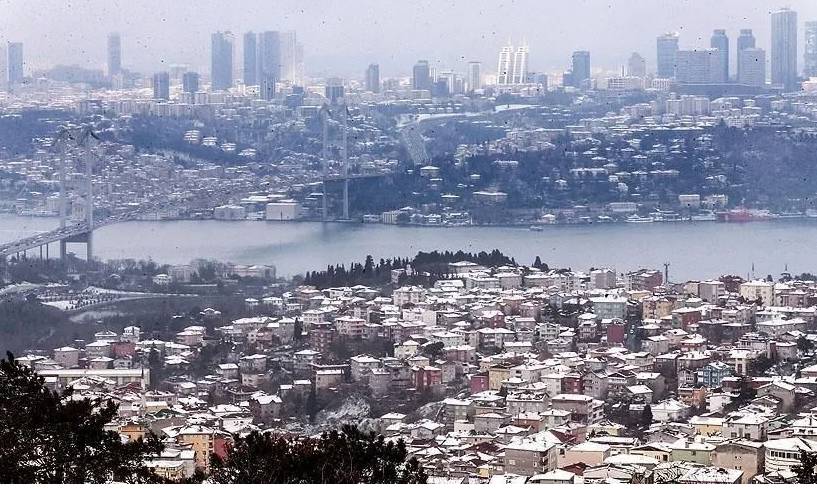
53, 438
348, 456
806, 469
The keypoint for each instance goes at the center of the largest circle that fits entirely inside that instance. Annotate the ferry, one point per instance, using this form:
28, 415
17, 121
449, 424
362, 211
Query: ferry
744, 215
637, 219
706, 216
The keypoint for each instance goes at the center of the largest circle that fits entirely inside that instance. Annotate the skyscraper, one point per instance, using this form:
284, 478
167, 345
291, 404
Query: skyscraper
752, 62
810, 65
504, 70
161, 85
334, 89
474, 75
266, 86
190, 82
720, 41
373, 78
290, 56
637, 66
15, 62
269, 55
784, 48
581, 68
421, 76
698, 66
512, 68
746, 40
667, 49
520, 65
221, 68
250, 59
114, 54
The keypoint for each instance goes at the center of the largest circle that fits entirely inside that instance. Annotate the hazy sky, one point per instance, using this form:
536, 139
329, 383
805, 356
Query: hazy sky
341, 37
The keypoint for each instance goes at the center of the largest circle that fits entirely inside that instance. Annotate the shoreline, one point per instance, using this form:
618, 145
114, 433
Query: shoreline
540, 226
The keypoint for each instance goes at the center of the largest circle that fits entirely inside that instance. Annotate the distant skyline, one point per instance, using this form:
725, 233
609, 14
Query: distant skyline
342, 38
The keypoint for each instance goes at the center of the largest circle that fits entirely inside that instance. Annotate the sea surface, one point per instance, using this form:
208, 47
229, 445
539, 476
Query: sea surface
694, 250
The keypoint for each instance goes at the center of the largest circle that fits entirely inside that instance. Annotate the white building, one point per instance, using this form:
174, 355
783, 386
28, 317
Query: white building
784, 453
286, 210
229, 213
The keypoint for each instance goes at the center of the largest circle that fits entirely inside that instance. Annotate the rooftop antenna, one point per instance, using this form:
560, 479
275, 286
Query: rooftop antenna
666, 273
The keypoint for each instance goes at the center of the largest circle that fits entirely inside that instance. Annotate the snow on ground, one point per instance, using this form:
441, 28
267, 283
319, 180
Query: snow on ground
61, 305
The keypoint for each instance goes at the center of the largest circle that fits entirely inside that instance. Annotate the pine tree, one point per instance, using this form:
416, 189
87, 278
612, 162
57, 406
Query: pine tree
348, 456
54, 439
805, 471
646, 416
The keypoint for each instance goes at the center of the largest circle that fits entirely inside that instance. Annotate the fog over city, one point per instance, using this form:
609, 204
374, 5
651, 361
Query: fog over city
408, 242
340, 37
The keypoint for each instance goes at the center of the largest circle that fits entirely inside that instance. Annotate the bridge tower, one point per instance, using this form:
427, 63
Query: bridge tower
325, 114
81, 139
345, 150
325, 156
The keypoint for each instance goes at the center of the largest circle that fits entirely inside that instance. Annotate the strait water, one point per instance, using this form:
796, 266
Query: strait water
695, 250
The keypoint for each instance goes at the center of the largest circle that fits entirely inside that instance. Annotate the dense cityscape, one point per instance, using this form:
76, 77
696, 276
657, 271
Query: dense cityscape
445, 365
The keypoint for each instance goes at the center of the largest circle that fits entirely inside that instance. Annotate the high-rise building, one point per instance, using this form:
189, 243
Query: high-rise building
504, 70
449, 83
373, 78
746, 40
190, 82
15, 62
752, 62
161, 85
221, 68
720, 41
581, 68
114, 54
269, 55
250, 59
666, 52
637, 66
334, 90
279, 55
474, 75
290, 56
512, 68
810, 61
266, 86
784, 48
698, 66
520, 65
421, 76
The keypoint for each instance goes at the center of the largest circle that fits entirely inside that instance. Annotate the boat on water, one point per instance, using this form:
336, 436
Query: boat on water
789, 215
537, 228
744, 215
638, 219
811, 213
705, 216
